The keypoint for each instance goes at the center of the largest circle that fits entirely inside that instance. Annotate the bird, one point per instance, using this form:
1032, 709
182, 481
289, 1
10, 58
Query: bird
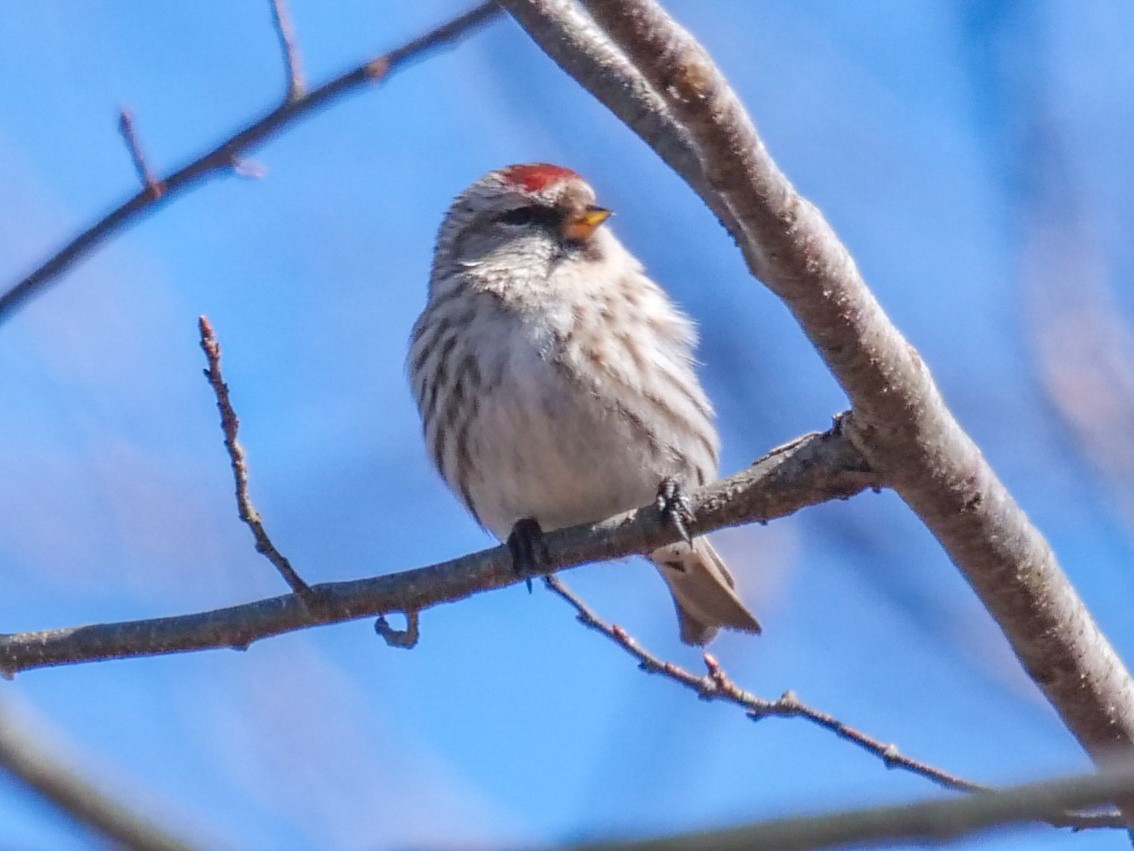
555, 381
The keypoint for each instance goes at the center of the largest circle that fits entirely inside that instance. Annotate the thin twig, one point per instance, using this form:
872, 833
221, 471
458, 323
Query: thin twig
717, 685
406, 639
126, 127
285, 30
820, 468
231, 425
223, 157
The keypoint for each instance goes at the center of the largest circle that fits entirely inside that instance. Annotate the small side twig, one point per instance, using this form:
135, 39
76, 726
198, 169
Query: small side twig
126, 127
717, 685
406, 638
230, 425
285, 31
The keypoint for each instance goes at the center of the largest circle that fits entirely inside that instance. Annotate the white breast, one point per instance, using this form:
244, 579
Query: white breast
574, 395
543, 446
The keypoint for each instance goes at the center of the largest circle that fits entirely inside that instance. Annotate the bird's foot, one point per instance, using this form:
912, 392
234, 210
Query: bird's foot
529, 552
675, 508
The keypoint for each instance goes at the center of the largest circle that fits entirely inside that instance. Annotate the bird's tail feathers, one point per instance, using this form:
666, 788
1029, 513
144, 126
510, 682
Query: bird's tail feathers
704, 591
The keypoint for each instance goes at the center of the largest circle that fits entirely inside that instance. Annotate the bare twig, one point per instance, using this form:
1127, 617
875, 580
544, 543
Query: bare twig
819, 467
918, 823
899, 420
130, 135
231, 425
717, 685
227, 153
77, 797
406, 638
285, 31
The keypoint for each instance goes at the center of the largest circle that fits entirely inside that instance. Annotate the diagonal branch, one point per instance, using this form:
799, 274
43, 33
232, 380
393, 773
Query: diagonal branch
899, 420
717, 685
813, 469
226, 155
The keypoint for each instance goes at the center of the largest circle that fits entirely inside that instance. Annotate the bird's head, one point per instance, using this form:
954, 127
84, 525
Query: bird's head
522, 214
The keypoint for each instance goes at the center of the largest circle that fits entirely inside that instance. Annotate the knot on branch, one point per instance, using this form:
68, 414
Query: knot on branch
406, 638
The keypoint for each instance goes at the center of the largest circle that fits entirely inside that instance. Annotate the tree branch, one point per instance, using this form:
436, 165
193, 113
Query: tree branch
919, 823
77, 797
899, 420
226, 155
717, 685
813, 469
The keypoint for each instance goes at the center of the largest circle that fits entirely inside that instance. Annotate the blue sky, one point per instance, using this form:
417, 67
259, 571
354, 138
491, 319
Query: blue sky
975, 158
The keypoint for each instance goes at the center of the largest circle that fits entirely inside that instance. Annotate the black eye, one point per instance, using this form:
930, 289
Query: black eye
524, 216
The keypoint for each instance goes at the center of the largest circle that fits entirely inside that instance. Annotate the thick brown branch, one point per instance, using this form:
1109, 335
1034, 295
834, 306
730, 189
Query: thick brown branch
230, 425
717, 685
77, 797
919, 823
899, 421
814, 469
225, 155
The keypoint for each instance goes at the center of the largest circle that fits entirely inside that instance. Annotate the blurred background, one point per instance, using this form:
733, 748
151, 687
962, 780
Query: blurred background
975, 156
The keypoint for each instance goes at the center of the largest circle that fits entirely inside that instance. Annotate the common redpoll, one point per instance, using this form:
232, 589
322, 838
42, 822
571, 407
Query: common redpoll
555, 380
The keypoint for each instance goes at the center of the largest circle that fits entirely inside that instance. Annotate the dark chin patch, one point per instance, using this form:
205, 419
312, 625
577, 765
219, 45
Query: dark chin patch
570, 249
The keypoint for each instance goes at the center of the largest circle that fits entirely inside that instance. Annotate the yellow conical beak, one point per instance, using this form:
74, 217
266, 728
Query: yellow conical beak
579, 228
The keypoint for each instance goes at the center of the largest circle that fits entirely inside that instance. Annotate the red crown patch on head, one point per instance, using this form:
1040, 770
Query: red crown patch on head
537, 176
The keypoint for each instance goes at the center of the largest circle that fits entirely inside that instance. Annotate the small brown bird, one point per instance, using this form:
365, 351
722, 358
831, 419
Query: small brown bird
555, 380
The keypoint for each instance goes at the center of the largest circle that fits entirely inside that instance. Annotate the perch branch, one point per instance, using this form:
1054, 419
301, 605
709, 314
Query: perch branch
813, 469
899, 420
227, 154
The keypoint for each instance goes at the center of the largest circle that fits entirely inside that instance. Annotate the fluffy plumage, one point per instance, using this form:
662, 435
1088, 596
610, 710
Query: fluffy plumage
555, 380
